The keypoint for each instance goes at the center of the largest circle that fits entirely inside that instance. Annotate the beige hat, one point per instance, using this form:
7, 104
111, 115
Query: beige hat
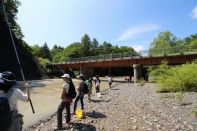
66, 76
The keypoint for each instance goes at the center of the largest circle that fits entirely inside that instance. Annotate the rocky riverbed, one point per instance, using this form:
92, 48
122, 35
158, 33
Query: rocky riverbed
132, 107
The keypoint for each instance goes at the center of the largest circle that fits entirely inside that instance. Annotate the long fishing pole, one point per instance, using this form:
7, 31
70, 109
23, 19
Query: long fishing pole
60, 69
13, 43
110, 66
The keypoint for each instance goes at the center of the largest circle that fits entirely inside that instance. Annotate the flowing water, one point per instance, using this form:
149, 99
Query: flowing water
45, 96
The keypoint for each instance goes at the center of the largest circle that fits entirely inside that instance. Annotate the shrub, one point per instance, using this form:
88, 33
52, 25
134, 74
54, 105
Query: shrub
177, 78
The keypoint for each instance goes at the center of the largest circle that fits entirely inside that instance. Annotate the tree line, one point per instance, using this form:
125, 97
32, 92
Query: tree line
86, 47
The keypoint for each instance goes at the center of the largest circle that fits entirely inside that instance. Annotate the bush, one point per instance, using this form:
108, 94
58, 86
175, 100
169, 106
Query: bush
177, 78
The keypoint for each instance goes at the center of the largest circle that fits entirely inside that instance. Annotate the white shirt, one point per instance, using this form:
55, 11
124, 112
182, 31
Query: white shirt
66, 86
16, 94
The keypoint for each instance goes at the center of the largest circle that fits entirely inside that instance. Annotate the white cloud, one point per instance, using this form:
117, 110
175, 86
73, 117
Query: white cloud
138, 48
135, 31
194, 13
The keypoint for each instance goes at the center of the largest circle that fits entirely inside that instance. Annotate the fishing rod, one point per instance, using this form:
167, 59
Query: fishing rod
16, 53
61, 69
110, 66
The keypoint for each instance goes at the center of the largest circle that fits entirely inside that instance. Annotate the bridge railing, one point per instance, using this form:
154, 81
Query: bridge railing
156, 52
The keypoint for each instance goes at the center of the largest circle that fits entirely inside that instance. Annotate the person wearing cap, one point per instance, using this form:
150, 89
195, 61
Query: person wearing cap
65, 102
110, 81
89, 82
80, 93
9, 86
97, 86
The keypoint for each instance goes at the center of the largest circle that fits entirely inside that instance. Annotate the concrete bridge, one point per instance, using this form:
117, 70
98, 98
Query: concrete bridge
126, 59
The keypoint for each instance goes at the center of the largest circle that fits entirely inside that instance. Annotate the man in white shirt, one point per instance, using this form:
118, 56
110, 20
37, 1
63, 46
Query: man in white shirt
13, 94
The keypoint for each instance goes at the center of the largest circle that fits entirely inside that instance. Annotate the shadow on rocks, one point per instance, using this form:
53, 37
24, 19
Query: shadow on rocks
94, 114
114, 89
77, 126
98, 101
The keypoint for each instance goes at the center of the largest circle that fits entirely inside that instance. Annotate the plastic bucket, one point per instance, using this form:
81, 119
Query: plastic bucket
79, 113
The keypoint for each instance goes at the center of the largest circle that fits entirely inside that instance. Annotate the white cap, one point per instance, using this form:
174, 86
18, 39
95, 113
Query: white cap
66, 76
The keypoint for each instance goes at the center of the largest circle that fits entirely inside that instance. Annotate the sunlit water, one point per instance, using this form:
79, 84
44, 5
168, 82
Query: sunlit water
45, 97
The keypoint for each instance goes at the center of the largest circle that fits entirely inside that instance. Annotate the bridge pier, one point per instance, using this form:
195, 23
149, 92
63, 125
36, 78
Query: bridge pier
137, 71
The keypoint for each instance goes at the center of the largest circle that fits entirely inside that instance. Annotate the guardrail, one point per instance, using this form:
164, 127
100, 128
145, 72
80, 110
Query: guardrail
124, 55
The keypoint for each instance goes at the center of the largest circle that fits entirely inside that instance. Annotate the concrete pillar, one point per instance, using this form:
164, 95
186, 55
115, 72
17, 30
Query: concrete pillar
135, 72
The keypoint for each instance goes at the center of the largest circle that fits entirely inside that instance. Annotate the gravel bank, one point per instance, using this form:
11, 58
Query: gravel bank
132, 107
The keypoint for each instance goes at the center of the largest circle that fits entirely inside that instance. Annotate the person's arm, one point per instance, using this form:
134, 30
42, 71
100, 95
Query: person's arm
26, 85
63, 93
23, 96
65, 90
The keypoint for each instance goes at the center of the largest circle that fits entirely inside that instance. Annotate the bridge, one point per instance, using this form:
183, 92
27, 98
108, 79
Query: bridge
174, 56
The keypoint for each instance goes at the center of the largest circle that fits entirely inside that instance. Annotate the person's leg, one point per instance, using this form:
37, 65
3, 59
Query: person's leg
97, 89
90, 93
75, 103
59, 114
16, 125
82, 105
110, 86
99, 94
67, 112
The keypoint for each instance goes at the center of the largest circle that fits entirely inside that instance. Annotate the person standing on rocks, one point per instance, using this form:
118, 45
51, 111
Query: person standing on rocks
12, 93
110, 80
89, 82
97, 86
80, 93
66, 100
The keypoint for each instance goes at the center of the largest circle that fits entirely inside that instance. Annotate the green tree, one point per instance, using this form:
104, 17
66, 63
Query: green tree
86, 45
94, 47
11, 10
164, 41
115, 49
190, 42
74, 50
107, 47
45, 52
57, 53
125, 49
36, 50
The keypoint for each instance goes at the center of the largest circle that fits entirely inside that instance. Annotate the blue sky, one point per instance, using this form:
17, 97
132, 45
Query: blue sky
134, 23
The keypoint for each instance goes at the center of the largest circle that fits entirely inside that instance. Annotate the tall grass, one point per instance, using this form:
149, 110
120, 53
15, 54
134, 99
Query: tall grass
176, 78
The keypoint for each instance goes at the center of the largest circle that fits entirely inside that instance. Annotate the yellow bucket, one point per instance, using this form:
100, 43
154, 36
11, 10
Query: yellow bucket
79, 113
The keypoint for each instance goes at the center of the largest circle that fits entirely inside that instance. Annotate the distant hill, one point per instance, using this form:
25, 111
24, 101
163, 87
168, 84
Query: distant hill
8, 60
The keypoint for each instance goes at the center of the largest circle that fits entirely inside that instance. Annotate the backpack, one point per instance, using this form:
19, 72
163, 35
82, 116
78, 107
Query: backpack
5, 114
71, 91
85, 88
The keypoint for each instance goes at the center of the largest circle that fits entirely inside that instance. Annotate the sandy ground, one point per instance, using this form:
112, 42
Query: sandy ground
132, 107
